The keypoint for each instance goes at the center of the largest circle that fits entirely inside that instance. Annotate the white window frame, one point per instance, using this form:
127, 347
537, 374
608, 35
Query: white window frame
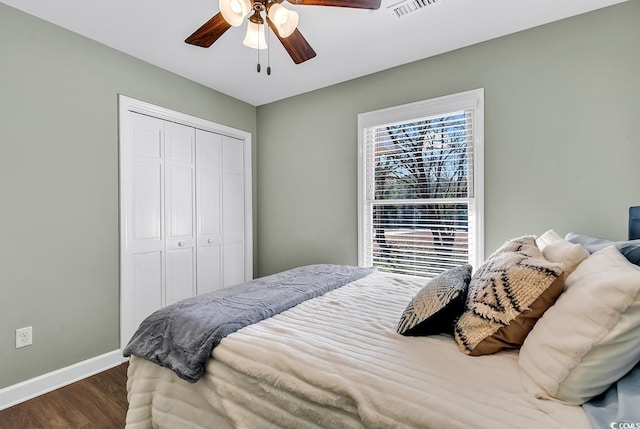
469, 100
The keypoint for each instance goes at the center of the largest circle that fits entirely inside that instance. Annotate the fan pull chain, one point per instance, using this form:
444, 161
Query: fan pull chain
258, 67
268, 53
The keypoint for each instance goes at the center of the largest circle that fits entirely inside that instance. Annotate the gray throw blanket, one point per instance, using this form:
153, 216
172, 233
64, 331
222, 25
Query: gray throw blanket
181, 336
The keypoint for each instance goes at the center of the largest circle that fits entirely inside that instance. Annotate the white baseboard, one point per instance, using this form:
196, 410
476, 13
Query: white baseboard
17, 393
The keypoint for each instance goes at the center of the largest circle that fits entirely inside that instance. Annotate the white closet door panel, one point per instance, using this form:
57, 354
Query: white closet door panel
233, 214
233, 263
233, 155
233, 207
146, 204
179, 143
209, 268
144, 188
180, 262
179, 183
209, 210
147, 279
209, 149
180, 269
146, 138
209, 203
209, 187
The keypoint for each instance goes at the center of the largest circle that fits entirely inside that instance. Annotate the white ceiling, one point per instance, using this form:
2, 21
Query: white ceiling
349, 42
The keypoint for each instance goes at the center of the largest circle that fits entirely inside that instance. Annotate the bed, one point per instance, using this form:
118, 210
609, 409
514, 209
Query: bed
336, 359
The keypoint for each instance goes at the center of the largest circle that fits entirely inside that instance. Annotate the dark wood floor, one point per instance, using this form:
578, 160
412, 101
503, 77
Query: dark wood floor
97, 402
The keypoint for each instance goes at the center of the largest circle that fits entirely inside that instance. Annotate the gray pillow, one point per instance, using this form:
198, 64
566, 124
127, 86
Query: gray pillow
437, 305
630, 249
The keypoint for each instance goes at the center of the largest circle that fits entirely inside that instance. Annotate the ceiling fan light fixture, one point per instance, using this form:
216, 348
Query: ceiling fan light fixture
285, 20
234, 11
255, 36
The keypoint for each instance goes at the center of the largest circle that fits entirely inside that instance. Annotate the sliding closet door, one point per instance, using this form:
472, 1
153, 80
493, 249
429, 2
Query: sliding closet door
208, 209
233, 215
143, 238
180, 212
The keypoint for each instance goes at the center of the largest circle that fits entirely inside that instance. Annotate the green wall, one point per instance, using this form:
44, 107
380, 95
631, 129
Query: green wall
561, 138
59, 186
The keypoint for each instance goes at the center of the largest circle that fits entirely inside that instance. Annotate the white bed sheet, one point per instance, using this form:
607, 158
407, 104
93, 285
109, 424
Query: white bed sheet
337, 362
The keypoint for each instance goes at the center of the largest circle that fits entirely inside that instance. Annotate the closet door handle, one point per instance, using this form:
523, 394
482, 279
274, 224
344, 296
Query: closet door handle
180, 243
209, 241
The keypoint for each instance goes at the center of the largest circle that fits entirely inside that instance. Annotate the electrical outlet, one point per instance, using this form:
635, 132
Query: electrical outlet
24, 337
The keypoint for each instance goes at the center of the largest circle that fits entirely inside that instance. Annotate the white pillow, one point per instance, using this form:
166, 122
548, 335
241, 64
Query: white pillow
589, 338
547, 238
557, 249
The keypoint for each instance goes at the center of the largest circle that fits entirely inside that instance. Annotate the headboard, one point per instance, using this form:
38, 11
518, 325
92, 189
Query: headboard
634, 223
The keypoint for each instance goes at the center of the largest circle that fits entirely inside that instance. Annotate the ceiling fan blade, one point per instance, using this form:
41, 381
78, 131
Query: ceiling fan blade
357, 4
296, 45
209, 32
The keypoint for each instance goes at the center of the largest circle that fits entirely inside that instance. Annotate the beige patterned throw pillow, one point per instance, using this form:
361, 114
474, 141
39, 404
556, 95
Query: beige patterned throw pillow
506, 297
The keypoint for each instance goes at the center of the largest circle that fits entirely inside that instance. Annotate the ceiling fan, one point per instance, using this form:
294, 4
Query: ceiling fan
283, 23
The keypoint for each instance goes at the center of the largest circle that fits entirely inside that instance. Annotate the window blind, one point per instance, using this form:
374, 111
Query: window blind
419, 210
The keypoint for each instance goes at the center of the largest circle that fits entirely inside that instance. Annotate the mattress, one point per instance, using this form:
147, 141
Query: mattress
336, 361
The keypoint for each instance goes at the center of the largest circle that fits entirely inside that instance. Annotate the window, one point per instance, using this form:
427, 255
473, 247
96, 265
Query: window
420, 185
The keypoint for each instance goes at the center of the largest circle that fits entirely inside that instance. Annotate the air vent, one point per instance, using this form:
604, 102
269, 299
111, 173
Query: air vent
406, 7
